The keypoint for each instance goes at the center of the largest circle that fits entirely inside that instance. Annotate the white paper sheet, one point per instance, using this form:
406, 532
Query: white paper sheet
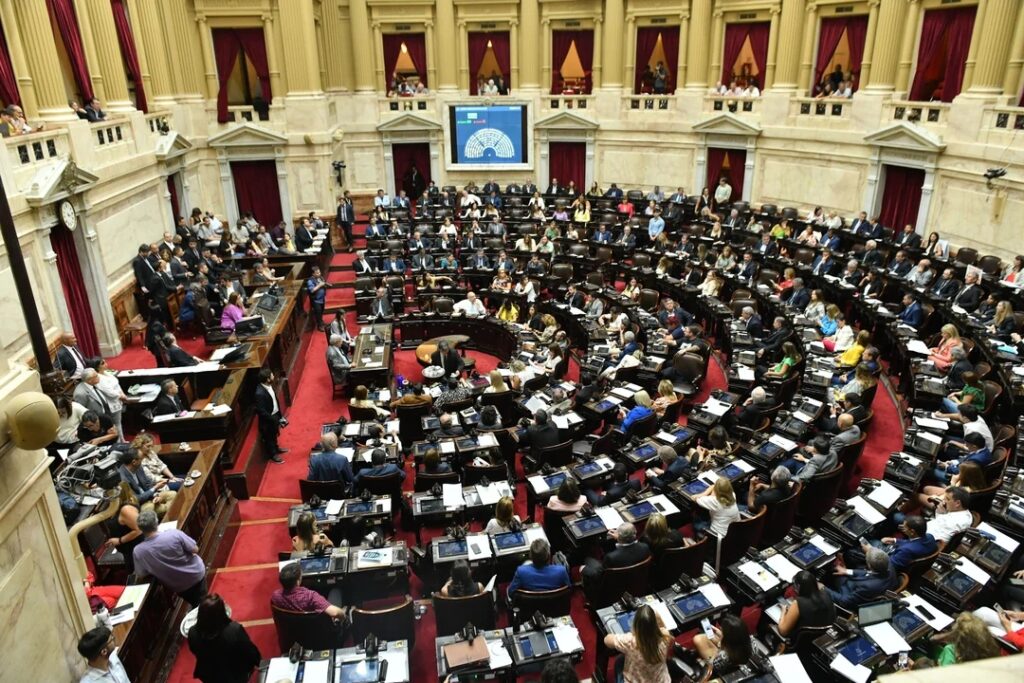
316, 671
661, 609
782, 442
865, 510
352, 429
448, 446
974, 571
164, 526
333, 507
918, 346
452, 495
487, 440
539, 485
668, 507
666, 437
625, 394
568, 638
781, 565
715, 595
133, 594
823, 545
610, 516
716, 407
489, 494
885, 494
532, 533
220, 409
282, 669
479, 546
930, 423
887, 638
941, 620
536, 403
347, 452
499, 655
774, 613
788, 668
756, 573
745, 373
560, 421
855, 672
1002, 540
743, 465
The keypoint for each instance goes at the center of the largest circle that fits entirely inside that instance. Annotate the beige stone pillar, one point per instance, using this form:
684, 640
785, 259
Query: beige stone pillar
885, 56
717, 38
1011, 82
597, 67
445, 45
209, 61
99, 86
681, 61
768, 77
108, 55
148, 48
26, 88
277, 87
807, 52
907, 44
997, 33
869, 43
47, 83
339, 70
301, 66
513, 53
791, 24
529, 47
975, 46
362, 57
183, 43
613, 40
698, 45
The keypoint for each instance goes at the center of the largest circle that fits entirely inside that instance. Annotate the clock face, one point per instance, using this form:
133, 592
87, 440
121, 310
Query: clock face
68, 217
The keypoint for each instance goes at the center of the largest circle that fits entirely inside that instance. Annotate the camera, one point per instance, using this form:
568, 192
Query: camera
90, 467
338, 165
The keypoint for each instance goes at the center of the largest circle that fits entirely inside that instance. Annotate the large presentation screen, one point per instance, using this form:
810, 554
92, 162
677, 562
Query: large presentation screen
492, 136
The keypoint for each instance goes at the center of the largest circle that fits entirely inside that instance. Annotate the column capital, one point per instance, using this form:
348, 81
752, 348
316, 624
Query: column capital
775, 10
512, 23
812, 7
462, 23
267, 17
546, 21
200, 18
684, 16
913, 2
874, 3
428, 24
375, 25
631, 20
718, 14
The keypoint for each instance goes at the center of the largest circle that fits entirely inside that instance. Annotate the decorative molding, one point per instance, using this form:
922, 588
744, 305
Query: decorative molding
407, 123
247, 135
57, 180
566, 121
726, 124
906, 138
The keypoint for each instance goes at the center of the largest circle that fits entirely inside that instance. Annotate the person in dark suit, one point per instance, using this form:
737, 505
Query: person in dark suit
852, 275
852, 404
447, 358
861, 225
574, 298
418, 242
751, 412
627, 552
912, 313
900, 265
908, 239
946, 286
747, 268
143, 268
303, 236
69, 359
345, 217
394, 264
176, 355
379, 467
751, 322
614, 192
672, 468
381, 306
971, 294
773, 342
491, 186
539, 435
902, 552
529, 187
799, 296
268, 411
327, 464
585, 392
603, 236
767, 247
168, 402
872, 257
823, 263
856, 587
616, 490
555, 188
871, 286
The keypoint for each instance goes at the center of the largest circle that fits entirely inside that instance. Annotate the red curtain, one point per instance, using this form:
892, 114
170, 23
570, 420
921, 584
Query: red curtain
226, 44
942, 53
735, 36
62, 14
8, 81
478, 48
402, 159
128, 52
175, 206
561, 41
734, 174
415, 43
831, 32
646, 40
62, 241
902, 196
568, 161
257, 191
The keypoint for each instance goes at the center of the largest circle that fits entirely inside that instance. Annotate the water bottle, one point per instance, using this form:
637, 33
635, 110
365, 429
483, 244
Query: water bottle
103, 617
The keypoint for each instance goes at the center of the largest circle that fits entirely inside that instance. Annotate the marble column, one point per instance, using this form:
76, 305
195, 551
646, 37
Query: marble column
108, 56
26, 88
980, 13
907, 43
531, 39
697, 45
768, 77
273, 59
149, 45
869, 43
807, 51
298, 31
885, 56
361, 48
613, 40
1002, 18
717, 38
445, 45
681, 57
99, 86
1011, 81
597, 67
339, 70
209, 63
43, 65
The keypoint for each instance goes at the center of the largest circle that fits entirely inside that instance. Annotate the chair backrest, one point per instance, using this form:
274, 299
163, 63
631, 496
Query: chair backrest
990, 264
443, 305
675, 562
473, 474
361, 414
452, 614
563, 271
558, 455
1005, 435
966, 255
504, 401
848, 457
535, 383
578, 250
391, 623
994, 470
779, 517
633, 579
802, 642
311, 630
916, 569
649, 299
386, 485
425, 481
672, 412
742, 535
993, 390
645, 426
324, 490
410, 424
641, 260
596, 279
819, 494
365, 284
552, 603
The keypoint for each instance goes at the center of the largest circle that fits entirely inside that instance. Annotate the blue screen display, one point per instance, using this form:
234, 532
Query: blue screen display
488, 135
858, 650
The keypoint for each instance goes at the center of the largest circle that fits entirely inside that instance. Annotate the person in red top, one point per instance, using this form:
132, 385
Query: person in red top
294, 597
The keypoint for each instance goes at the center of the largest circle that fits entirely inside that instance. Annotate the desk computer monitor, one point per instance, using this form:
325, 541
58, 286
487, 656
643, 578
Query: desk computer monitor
995, 553
363, 671
641, 509
588, 468
555, 480
692, 604
645, 451
769, 450
958, 583
511, 539
806, 554
536, 644
588, 525
605, 405
359, 508
625, 620
695, 487
731, 471
320, 514
431, 505
906, 622
467, 442
315, 565
252, 325
451, 548
874, 613
858, 650
856, 525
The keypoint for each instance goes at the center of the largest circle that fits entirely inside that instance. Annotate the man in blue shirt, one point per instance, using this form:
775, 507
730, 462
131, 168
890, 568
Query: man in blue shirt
672, 468
378, 468
98, 647
978, 453
656, 225
316, 286
539, 574
902, 551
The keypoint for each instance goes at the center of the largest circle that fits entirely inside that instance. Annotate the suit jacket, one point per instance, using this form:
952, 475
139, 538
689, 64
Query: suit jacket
912, 315
168, 405
627, 555
67, 362
873, 259
842, 440
394, 266
539, 437
329, 466
265, 404
901, 268
529, 188
303, 238
90, 397
747, 270
906, 550
872, 289
774, 339
627, 240
576, 300
911, 241
861, 588
860, 227
338, 363
969, 297
381, 308
677, 469
346, 213
491, 187
555, 189
821, 266
513, 188
770, 249
945, 289
144, 272
451, 361
425, 262
362, 266
179, 358
799, 298
853, 278
755, 327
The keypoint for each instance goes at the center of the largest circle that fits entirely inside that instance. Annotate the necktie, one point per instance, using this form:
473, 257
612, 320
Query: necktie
99, 397
79, 360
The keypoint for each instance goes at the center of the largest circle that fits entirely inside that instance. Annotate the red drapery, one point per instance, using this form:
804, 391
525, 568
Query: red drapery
561, 41
257, 191
735, 36
128, 52
226, 44
8, 81
568, 161
175, 206
415, 43
734, 174
646, 39
62, 241
478, 48
942, 53
902, 196
62, 13
403, 157
831, 32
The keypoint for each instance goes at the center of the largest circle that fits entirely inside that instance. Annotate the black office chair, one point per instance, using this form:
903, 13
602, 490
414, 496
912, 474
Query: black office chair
397, 622
550, 603
452, 614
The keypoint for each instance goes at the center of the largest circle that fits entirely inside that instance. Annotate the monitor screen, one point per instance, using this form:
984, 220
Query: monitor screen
467, 443
682, 435
588, 468
605, 405
589, 525
641, 509
451, 548
806, 554
526, 647
512, 539
312, 565
769, 450
363, 671
625, 620
874, 613
359, 508
858, 650
696, 486
856, 524
959, 583
645, 451
555, 480
489, 135
431, 505
692, 604
731, 471
320, 514
906, 622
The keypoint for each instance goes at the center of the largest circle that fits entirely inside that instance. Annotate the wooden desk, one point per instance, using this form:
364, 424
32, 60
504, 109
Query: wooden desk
371, 360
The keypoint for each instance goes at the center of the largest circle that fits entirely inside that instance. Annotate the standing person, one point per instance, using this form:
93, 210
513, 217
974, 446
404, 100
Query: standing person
723, 193
413, 182
98, 647
316, 285
345, 217
171, 557
224, 653
69, 357
271, 420
644, 649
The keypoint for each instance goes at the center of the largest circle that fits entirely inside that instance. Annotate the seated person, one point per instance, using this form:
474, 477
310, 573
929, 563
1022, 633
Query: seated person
616, 490
729, 647
968, 640
917, 543
379, 467
716, 445
720, 502
812, 607
416, 397
448, 426
970, 478
504, 519
295, 597
761, 495
817, 457
568, 497
627, 552
659, 537
644, 650
539, 574
471, 307
666, 397
308, 537
642, 408
1006, 624
973, 423
96, 429
361, 399
461, 584
951, 515
856, 587
672, 468
328, 464
790, 358
852, 403
751, 412
977, 453
432, 463
972, 392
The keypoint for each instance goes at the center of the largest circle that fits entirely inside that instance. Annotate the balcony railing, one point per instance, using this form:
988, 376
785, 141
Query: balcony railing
159, 122
421, 103
917, 112
825, 108
731, 103
245, 112
37, 148
568, 101
1006, 118
112, 132
647, 102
